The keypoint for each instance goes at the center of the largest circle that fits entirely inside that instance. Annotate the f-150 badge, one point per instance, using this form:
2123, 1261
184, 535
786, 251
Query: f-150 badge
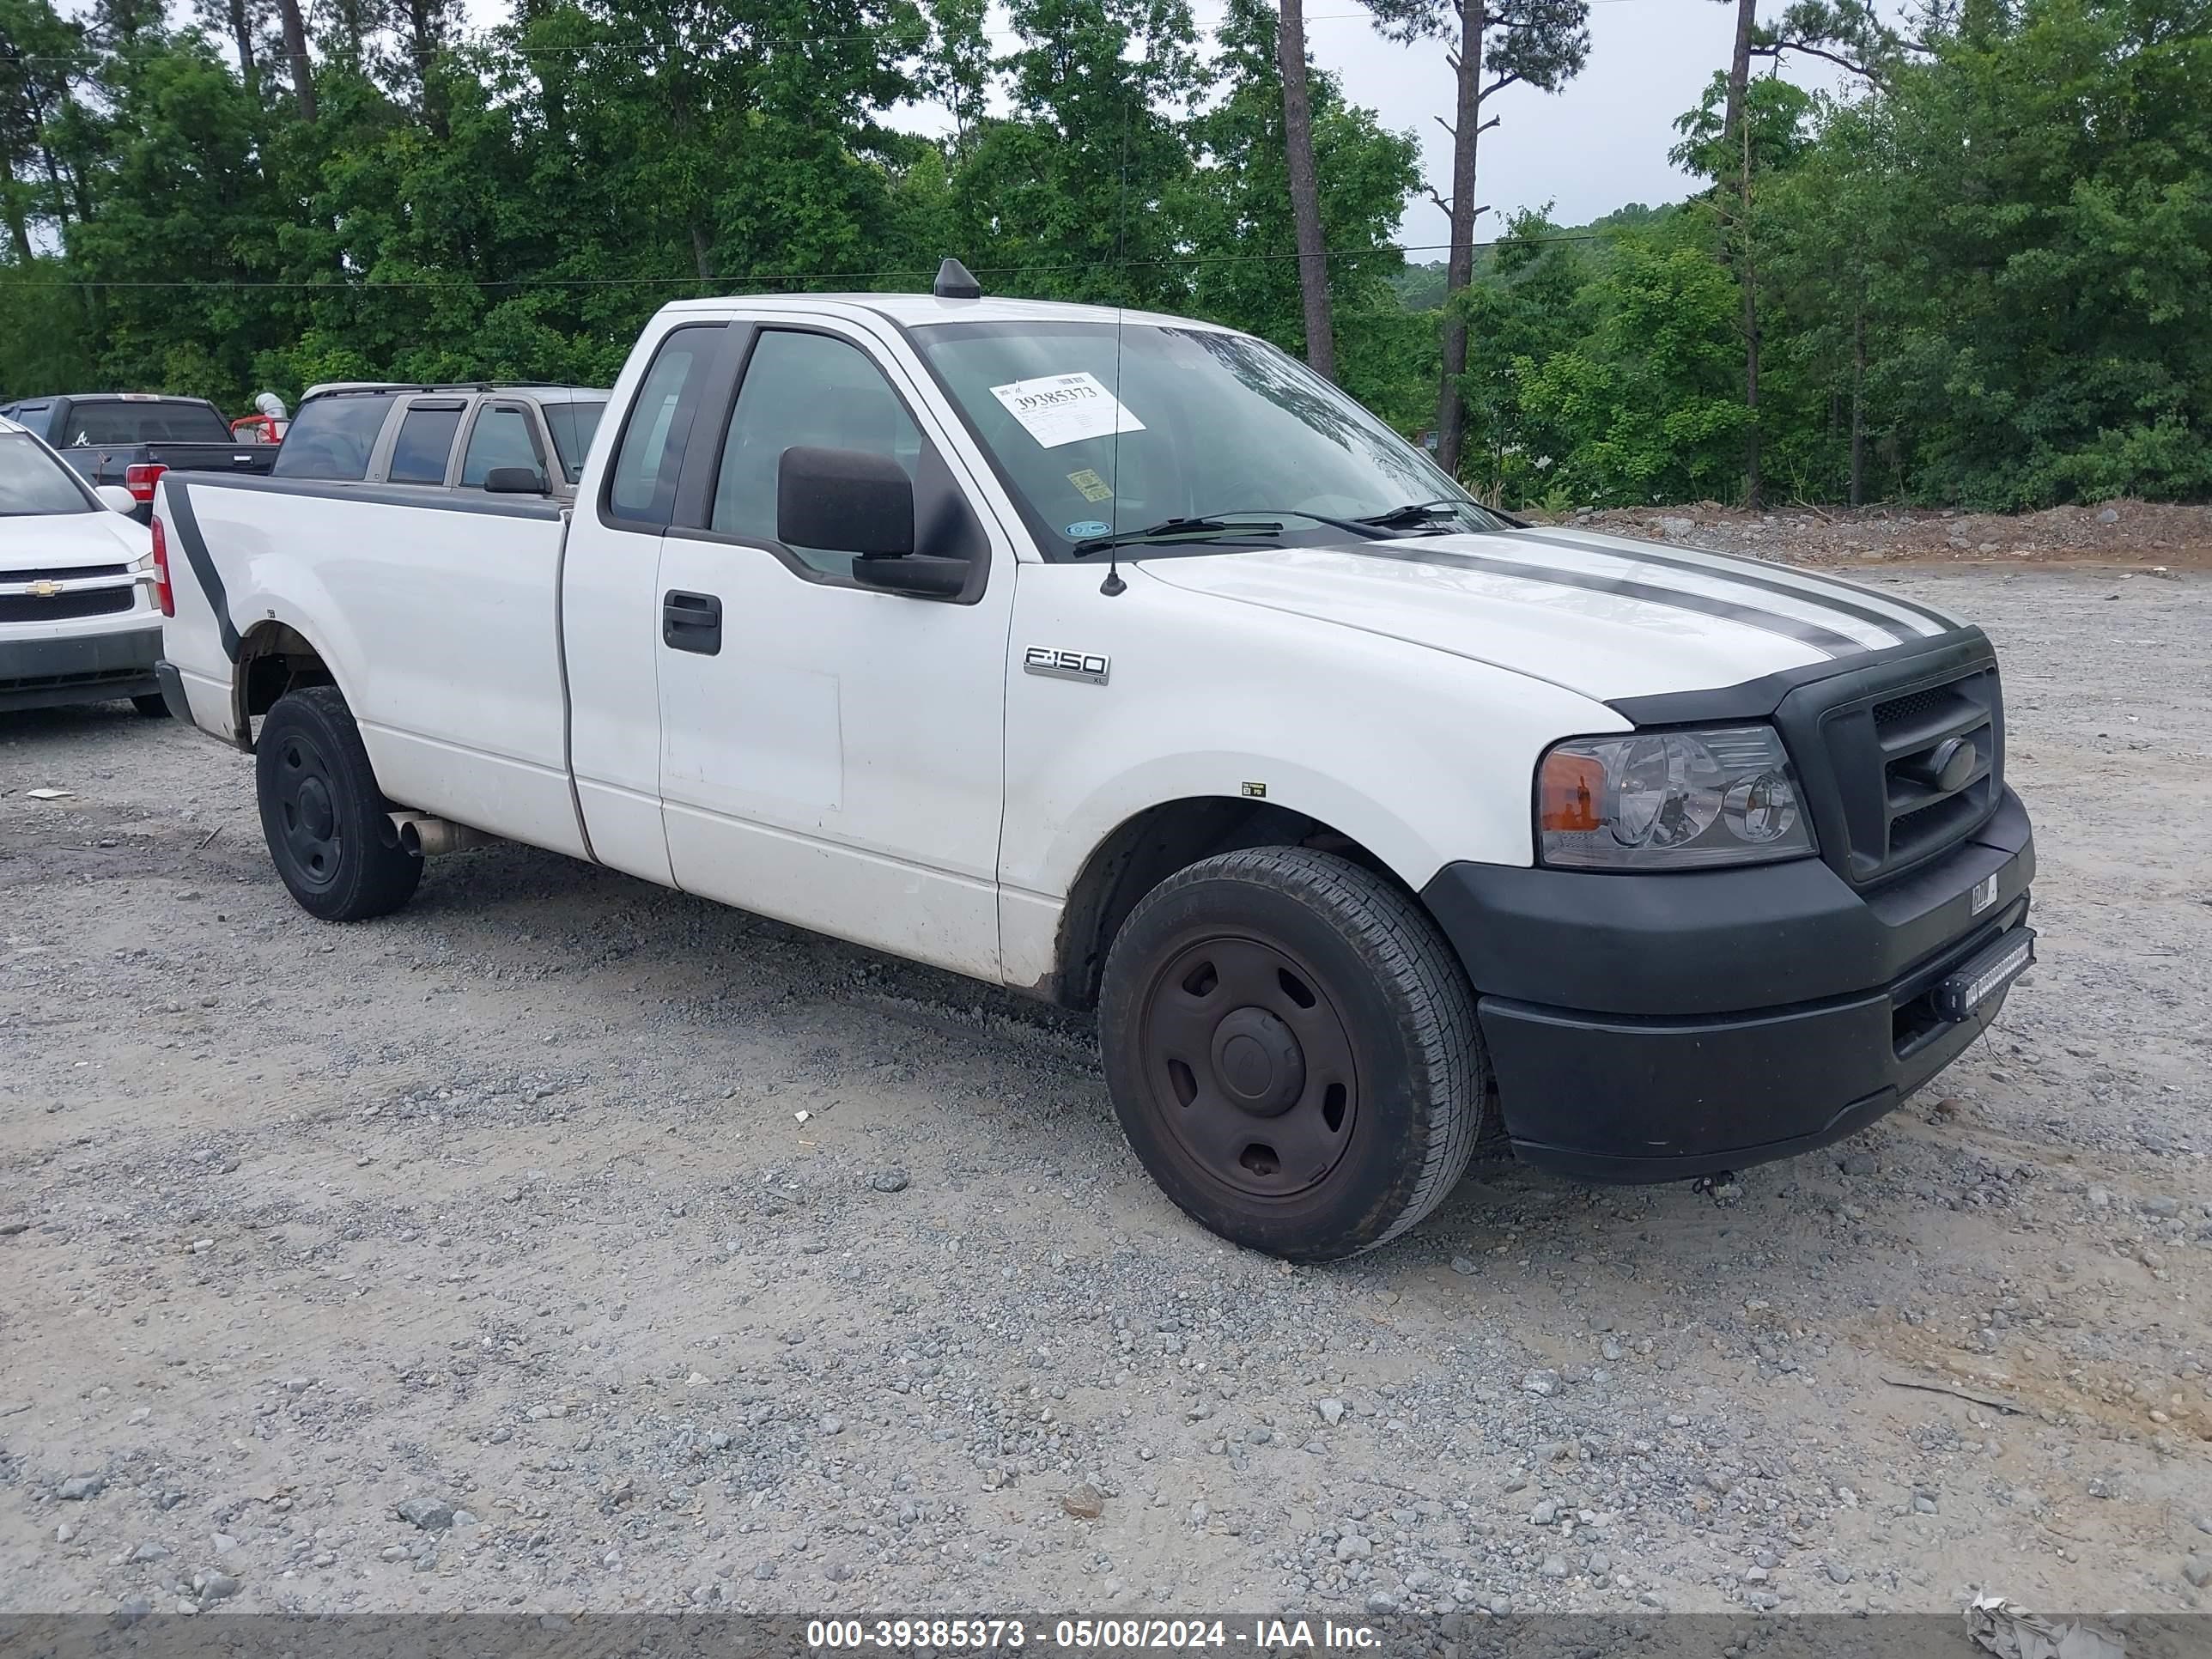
1085, 666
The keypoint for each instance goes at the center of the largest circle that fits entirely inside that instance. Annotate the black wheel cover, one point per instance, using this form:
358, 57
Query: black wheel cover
1249, 1066
309, 811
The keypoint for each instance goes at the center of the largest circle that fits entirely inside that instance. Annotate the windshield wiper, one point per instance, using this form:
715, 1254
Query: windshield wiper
1170, 530
1414, 512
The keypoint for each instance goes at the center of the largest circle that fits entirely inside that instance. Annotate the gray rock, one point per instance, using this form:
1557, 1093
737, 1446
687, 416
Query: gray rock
1543, 1384
1332, 1411
1673, 527
1461, 1264
837, 1572
1382, 1602
1352, 1547
1599, 1563
78, 1487
219, 1587
132, 1608
2162, 1207
1555, 1566
833, 1425
764, 1572
1545, 1512
2110, 515
1754, 1575
2197, 1571
1923, 1503
150, 1551
1838, 1573
1856, 1164
889, 1181
431, 1514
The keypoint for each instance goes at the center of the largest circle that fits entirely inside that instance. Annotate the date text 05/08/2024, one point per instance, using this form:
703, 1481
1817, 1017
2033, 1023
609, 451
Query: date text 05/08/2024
1258, 1636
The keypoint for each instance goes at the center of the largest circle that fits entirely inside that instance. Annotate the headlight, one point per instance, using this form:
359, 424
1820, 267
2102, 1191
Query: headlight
1669, 801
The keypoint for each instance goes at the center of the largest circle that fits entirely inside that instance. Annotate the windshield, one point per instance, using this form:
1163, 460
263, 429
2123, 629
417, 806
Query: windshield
1205, 425
133, 423
33, 485
571, 425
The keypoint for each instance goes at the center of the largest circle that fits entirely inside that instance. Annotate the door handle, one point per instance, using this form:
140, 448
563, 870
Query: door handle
691, 621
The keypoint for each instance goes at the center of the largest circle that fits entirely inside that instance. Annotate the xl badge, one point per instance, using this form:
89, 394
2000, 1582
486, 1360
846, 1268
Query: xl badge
1085, 666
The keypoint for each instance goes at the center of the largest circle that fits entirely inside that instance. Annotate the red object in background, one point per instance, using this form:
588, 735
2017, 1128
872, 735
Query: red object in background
258, 429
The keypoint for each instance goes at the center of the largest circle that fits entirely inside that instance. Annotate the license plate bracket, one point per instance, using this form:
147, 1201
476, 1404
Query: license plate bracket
1985, 973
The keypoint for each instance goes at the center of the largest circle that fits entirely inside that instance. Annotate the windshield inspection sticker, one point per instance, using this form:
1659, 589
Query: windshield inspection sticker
1084, 529
1090, 485
1065, 409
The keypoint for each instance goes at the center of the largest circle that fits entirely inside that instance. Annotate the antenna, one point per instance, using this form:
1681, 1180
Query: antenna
1114, 586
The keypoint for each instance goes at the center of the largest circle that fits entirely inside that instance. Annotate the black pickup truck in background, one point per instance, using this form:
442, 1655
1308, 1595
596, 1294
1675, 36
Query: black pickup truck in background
130, 438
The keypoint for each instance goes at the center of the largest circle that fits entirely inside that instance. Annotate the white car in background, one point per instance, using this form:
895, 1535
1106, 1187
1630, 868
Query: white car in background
78, 619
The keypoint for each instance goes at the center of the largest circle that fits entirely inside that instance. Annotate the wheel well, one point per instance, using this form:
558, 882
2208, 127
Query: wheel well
272, 660
1148, 848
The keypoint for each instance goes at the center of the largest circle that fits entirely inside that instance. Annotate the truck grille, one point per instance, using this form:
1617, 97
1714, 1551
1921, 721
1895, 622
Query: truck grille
1916, 771
92, 602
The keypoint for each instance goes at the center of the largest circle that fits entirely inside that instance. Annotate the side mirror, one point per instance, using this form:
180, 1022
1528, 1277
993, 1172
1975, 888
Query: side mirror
116, 499
846, 501
514, 480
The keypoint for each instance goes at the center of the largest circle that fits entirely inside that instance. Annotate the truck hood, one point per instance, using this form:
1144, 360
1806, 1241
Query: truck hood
65, 541
1601, 615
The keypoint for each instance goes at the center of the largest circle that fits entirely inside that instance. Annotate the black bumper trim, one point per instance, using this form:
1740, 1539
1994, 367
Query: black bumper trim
173, 691
1650, 1028
46, 673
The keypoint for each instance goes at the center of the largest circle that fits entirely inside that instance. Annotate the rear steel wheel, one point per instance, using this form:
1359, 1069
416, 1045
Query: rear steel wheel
328, 826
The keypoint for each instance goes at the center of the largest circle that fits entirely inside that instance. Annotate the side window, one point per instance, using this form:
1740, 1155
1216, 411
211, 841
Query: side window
331, 437
804, 389
425, 441
501, 438
642, 488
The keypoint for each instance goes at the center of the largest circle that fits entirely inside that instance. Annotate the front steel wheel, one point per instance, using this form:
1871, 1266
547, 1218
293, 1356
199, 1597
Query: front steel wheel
1292, 1051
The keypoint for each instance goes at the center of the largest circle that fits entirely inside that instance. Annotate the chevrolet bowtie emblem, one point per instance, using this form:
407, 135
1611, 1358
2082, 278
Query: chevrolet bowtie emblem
44, 590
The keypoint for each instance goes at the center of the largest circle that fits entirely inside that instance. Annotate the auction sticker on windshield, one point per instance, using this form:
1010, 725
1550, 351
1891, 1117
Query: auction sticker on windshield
1065, 409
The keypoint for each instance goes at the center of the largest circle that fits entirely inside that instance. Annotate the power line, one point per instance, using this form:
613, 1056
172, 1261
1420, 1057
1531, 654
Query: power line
236, 285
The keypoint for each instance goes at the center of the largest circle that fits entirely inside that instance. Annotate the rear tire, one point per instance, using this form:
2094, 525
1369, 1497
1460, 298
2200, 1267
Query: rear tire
1291, 1049
328, 826
153, 706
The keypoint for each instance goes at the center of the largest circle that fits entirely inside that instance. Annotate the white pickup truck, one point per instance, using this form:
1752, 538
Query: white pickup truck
1118, 659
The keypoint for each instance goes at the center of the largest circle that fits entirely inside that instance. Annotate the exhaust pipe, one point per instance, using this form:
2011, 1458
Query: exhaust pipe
428, 838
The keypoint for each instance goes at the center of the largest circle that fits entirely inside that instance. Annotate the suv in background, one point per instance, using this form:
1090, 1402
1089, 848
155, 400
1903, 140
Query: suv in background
450, 437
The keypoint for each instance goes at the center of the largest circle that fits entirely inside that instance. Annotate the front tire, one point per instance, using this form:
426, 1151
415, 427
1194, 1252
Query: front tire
328, 826
1292, 1051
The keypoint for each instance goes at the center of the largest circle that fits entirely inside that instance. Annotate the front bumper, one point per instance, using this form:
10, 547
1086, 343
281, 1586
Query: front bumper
89, 667
1654, 1027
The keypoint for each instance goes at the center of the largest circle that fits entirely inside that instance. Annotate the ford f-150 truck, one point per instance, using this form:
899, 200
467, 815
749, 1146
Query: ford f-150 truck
129, 438
1118, 659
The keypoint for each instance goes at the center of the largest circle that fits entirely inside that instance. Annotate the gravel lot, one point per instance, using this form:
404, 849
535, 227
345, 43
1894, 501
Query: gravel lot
565, 1243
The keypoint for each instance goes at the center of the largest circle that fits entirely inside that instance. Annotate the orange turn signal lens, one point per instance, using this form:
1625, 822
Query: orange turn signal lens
1567, 790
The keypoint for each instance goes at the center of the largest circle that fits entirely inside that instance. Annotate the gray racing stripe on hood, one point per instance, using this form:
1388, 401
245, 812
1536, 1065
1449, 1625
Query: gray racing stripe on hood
1916, 620
1771, 622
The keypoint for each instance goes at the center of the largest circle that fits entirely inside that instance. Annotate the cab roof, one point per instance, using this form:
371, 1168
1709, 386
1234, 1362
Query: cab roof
924, 310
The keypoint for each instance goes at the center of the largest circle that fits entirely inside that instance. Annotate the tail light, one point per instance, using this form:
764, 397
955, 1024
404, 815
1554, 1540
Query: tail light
162, 595
140, 480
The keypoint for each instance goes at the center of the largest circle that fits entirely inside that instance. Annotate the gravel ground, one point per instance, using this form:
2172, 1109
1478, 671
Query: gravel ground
566, 1243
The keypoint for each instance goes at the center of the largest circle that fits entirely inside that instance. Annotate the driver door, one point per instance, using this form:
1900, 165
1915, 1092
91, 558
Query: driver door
831, 754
